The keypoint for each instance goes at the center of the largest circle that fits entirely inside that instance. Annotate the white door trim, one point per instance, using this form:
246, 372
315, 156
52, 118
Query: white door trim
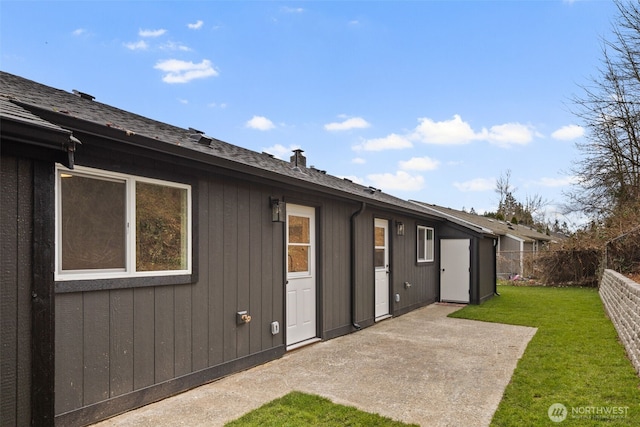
301, 304
381, 268
455, 273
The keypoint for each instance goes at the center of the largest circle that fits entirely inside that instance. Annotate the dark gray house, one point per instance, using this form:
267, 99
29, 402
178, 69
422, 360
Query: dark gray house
139, 259
517, 244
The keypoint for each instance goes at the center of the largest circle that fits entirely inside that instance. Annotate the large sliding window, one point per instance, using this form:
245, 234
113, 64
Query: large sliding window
425, 244
111, 225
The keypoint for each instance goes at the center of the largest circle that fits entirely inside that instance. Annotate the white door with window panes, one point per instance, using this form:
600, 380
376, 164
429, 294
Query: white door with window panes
381, 262
301, 274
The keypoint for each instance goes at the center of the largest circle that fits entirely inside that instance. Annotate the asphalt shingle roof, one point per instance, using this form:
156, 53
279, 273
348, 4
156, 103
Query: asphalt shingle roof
23, 94
499, 228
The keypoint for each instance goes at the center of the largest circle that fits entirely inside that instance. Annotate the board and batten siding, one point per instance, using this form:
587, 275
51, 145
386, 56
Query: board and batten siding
113, 342
16, 236
482, 262
364, 269
487, 269
333, 270
422, 277
335, 267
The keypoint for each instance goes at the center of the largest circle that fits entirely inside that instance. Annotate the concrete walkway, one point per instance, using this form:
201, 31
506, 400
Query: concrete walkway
421, 368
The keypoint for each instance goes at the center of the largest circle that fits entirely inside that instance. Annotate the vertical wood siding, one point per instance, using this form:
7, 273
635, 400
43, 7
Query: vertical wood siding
365, 280
113, 342
487, 269
16, 234
423, 277
335, 265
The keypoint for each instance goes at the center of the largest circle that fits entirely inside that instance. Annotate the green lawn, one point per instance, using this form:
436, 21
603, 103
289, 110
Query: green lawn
574, 359
299, 409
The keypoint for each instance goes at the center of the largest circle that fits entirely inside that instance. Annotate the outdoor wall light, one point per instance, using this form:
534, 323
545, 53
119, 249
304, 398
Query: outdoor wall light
399, 229
278, 210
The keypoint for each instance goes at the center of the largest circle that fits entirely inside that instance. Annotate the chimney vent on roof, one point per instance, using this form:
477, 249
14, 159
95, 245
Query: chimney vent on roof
205, 140
84, 95
200, 137
298, 159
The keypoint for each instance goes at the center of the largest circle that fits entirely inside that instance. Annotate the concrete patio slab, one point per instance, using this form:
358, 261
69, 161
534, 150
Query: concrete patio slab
422, 368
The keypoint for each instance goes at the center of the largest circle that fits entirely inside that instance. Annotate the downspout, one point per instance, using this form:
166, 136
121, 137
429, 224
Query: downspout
495, 267
353, 265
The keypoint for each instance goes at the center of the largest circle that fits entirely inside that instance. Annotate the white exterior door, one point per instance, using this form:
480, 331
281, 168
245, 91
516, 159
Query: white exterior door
381, 262
455, 258
301, 274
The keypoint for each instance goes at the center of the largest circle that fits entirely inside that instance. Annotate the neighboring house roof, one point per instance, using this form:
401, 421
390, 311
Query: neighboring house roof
47, 106
500, 228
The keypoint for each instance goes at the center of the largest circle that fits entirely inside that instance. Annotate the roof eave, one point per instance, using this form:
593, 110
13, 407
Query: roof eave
452, 218
173, 149
30, 133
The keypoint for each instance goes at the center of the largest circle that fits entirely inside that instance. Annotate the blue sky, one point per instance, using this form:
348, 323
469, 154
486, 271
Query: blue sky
427, 100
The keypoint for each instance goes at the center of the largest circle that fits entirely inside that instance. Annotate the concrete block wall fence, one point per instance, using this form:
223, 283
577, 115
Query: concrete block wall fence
621, 298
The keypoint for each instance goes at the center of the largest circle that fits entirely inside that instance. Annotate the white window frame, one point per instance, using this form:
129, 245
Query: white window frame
429, 244
309, 213
130, 229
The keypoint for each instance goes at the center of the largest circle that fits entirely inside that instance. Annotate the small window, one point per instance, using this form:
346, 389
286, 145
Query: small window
425, 244
111, 225
299, 244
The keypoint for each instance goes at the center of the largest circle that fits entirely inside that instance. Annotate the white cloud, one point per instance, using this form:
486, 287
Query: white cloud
358, 161
477, 184
568, 133
183, 101
196, 26
175, 46
352, 123
151, 33
390, 142
79, 32
280, 151
178, 71
447, 132
139, 45
401, 181
260, 123
508, 134
458, 132
419, 164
